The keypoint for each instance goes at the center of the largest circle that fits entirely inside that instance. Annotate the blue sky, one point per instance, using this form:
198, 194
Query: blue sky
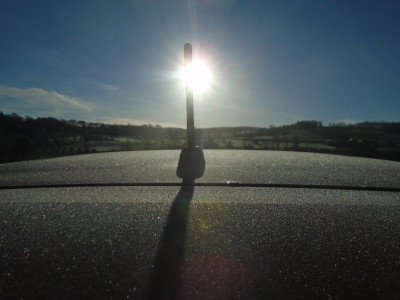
273, 62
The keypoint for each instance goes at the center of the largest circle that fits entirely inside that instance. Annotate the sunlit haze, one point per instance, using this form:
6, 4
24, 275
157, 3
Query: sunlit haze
197, 76
257, 62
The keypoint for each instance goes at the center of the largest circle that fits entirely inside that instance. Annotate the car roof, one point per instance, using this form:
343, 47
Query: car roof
222, 167
299, 225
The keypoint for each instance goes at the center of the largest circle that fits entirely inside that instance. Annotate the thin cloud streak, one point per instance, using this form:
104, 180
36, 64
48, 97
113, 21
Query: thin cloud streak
105, 86
37, 97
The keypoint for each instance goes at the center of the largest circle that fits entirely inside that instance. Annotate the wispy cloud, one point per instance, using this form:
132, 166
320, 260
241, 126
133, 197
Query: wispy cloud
105, 86
40, 98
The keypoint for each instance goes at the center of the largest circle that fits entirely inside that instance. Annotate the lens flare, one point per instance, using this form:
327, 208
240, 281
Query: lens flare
197, 76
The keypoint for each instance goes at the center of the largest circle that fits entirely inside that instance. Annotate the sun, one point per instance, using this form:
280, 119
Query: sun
197, 76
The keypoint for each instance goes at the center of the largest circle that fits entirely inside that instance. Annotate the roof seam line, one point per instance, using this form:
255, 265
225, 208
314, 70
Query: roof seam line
255, 185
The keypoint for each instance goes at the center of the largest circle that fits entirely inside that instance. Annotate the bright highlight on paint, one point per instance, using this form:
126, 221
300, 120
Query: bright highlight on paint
197, 76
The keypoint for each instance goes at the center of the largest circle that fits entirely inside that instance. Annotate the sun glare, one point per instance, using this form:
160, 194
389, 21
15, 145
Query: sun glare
197, 76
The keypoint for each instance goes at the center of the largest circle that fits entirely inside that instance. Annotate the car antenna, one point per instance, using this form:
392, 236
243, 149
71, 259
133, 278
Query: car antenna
190, 135
191, 163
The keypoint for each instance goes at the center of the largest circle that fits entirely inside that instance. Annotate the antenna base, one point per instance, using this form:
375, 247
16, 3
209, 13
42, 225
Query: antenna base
191, 164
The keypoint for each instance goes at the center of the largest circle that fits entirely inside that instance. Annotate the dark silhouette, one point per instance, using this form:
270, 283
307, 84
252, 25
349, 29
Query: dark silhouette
167, 269
191, 164
23, 138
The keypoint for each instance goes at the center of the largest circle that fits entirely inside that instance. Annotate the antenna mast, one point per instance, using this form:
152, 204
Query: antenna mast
189, 99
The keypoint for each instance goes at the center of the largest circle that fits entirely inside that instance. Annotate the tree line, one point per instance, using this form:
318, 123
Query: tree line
24, 138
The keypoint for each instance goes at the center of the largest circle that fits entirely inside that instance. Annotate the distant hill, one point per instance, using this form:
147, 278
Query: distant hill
28, 138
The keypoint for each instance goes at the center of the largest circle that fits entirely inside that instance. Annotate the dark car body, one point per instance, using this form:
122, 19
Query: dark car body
258, 224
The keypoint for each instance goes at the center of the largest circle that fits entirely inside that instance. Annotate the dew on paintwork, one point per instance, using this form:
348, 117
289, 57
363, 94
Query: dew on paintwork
26, 252
232, 183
